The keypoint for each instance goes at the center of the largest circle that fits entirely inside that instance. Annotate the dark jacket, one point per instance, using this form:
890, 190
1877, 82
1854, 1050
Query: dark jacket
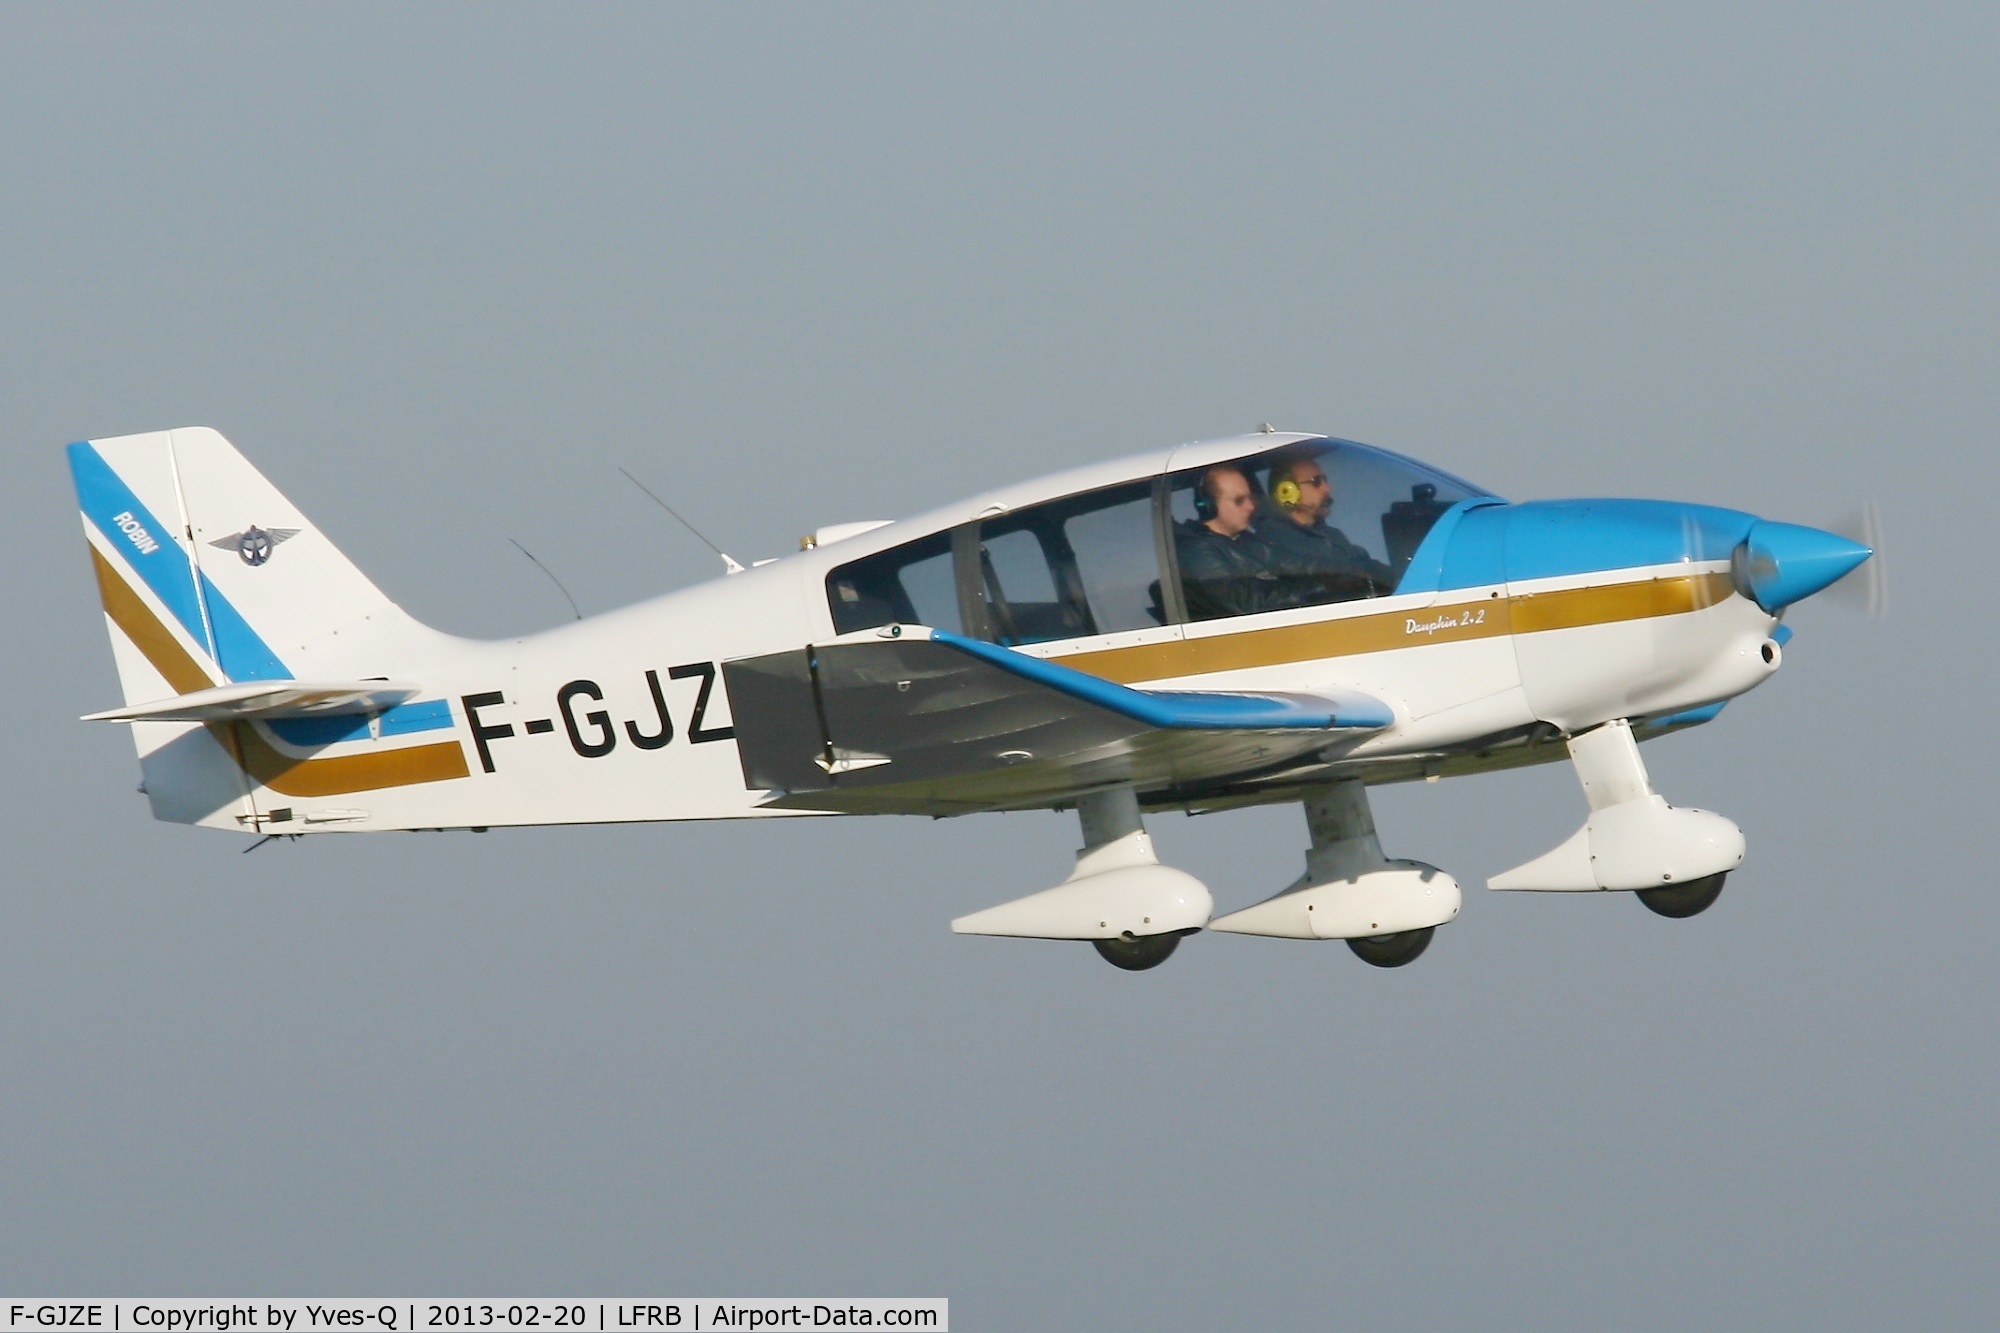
1318, 564
1226, 576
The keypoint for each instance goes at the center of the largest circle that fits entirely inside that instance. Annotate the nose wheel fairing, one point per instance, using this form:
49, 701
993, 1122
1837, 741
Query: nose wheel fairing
1632, 840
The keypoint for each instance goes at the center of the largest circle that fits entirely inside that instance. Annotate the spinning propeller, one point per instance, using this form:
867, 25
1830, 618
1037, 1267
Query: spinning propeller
1866, 589
1781, 563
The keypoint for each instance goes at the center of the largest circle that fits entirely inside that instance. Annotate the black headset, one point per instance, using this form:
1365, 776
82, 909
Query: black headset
1204, 501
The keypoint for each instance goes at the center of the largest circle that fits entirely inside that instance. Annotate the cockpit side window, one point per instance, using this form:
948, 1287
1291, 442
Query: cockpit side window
910, 584
1110, 538
1020, 562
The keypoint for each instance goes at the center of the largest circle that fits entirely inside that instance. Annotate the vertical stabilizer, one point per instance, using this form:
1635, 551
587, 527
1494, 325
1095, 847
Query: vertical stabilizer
237, 574
209, 577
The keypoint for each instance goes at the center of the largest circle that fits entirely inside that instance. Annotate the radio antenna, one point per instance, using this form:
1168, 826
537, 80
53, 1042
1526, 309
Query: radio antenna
729, 565
552, 578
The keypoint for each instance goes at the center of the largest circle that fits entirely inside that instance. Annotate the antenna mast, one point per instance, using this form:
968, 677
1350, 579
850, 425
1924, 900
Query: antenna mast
552, 578
729, 565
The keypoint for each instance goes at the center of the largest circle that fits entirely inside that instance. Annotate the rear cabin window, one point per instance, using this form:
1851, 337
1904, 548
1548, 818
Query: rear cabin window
1082, 565
908, 585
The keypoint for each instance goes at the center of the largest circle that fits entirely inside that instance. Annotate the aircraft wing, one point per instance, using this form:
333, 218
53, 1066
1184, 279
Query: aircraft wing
935, 723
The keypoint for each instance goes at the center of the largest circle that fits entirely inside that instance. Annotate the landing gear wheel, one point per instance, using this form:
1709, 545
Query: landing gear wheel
1392, 950
1682, 900
1136, 953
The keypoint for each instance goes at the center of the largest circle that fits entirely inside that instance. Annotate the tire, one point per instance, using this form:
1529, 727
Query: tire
1684, 900
1392, 950
1137, 953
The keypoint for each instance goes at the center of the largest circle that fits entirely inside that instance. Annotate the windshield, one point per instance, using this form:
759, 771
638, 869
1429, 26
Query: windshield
1303, 525
1387, 502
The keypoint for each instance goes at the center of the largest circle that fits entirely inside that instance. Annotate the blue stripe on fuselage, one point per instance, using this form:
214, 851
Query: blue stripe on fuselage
331, 729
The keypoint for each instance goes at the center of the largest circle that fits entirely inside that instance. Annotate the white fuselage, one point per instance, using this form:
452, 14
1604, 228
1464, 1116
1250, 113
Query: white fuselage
625, 717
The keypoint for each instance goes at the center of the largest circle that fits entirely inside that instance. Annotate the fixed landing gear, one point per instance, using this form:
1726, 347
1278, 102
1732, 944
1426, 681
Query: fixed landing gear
1135, 911
1674, 858
1385, 909
1119, 897
1392, 950
1684, 900
1137, 953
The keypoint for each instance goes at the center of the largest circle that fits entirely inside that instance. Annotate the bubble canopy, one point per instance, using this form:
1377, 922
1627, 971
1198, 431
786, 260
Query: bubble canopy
1218, 532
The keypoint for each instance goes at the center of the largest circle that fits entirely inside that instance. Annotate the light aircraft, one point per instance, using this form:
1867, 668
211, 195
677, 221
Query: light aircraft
1131, 636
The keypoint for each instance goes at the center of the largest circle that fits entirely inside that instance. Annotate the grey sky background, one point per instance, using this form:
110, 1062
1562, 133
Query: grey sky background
440, 271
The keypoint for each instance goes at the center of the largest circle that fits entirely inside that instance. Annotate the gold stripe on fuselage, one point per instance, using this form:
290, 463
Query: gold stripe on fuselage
283, 773
1439, 622
336, 776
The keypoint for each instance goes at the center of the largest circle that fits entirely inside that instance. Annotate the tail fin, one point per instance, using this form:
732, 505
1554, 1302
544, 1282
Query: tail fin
211, 580
236, 575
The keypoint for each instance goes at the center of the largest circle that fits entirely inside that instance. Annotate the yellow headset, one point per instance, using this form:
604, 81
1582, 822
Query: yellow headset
1286, 493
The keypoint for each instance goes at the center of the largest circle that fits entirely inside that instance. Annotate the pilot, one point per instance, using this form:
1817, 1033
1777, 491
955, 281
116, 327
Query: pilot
1226, 568
1315, 561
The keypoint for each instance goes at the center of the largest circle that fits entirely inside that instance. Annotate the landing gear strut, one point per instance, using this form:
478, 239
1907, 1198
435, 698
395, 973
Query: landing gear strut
1385, 909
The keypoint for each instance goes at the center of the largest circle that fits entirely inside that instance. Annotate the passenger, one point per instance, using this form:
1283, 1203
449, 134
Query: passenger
1226, 569
1316, 563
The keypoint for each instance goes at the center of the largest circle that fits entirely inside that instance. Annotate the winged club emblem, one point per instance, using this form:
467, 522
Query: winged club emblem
254, 544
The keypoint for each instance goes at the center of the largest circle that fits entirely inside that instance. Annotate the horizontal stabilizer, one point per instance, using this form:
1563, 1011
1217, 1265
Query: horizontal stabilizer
266, 699
1205, 710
